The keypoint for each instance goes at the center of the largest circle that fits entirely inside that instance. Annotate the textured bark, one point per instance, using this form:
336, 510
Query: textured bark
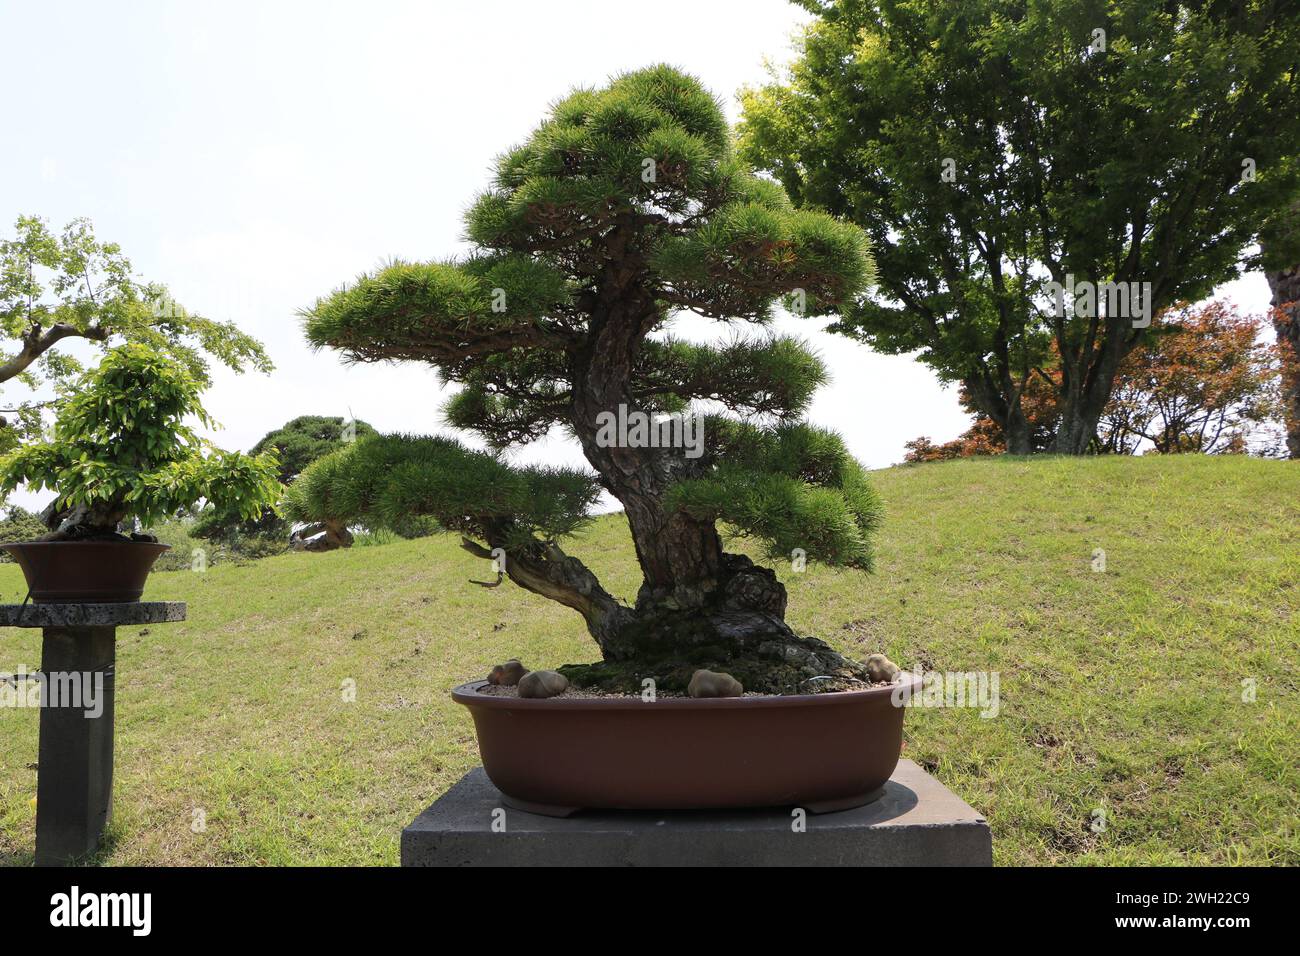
1285, 285
545, 569
740, 631
81, 522
679, 556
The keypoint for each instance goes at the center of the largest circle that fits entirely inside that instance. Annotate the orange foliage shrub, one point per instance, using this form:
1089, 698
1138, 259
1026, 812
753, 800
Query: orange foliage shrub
1203, 382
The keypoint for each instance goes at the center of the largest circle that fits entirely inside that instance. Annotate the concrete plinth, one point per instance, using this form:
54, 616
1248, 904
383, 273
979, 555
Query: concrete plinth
917, 822
74, 777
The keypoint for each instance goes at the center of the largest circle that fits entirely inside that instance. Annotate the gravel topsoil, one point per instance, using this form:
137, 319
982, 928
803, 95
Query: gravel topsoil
583, 693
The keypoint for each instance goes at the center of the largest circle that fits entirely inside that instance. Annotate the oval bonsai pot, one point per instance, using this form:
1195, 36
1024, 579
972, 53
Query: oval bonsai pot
67, 572
822, 752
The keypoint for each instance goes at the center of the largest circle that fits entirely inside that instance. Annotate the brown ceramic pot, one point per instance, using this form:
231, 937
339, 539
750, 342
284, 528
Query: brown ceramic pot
69, 572
821, 752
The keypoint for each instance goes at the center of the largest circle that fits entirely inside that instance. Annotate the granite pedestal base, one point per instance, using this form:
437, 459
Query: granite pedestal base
916, 822
74, 777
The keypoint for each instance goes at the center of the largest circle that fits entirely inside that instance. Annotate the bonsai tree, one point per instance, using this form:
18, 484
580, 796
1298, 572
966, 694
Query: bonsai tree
296, 444
121, 449
623, 209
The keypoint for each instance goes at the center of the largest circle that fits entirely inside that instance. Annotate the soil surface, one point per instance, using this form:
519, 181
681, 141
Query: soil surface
584, 693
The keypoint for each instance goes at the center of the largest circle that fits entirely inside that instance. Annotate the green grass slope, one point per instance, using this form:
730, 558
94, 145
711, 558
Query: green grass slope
1122, 734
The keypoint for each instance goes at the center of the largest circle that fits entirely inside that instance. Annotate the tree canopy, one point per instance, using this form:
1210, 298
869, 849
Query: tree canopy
295, 444
122, 448
69, 285
991, 147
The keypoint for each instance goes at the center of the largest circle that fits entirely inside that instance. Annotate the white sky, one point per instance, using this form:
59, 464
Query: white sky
253, 156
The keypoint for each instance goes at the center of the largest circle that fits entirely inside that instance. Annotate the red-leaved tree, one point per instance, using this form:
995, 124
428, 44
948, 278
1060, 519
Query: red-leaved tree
1204, 383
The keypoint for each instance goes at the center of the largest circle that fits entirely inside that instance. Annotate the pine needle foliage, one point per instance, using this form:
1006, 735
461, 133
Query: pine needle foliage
624, 209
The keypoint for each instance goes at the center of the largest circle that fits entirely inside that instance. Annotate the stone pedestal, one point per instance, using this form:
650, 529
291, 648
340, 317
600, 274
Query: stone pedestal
917, 822
74, 782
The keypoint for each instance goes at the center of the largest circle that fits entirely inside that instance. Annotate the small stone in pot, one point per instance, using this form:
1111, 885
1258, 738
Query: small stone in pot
713, 684
542, 684
881, 669
507, 674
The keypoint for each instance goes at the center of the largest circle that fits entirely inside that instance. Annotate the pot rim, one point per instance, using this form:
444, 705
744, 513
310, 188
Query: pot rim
60, 544
468, 695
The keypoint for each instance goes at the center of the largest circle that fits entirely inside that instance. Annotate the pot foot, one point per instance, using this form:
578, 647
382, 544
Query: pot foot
542, 809
845, 803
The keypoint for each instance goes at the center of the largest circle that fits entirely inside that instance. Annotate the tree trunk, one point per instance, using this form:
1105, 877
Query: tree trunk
1009, 416
1087, 380
1016, 433
1076, 430
679, 556
697, 607
1285, 285
82, 522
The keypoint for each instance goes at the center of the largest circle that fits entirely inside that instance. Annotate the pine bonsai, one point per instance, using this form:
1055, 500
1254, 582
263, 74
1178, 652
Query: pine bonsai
121, 450
296, 444
623, 209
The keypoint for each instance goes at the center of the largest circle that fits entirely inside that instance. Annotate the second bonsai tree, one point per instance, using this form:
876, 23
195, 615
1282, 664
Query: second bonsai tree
624, 208
122, 450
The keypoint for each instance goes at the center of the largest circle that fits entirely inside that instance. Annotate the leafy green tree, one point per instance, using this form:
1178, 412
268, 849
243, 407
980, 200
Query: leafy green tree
623, 209
19, 524
990, 147
64, 286
296, 445
121, 449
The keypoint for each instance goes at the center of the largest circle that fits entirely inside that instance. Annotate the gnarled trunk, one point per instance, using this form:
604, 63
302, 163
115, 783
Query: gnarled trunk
82, 522
697, 605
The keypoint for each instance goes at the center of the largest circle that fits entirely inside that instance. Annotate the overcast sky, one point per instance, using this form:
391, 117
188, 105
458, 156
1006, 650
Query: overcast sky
253, 156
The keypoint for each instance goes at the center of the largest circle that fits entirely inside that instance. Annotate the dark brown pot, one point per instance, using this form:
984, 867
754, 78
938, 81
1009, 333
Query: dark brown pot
67, 572
821, 752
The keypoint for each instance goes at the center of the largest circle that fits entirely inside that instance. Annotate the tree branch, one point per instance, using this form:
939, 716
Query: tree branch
543, 568
37, 342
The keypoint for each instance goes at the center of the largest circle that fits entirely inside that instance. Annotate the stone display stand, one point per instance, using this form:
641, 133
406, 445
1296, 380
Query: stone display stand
917, 822
74, 783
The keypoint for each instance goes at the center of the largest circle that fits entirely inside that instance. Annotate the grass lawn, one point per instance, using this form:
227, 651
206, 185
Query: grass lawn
1121, 691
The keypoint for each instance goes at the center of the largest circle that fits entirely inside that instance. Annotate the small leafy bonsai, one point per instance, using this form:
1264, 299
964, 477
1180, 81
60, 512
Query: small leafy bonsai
121, 449
625, 208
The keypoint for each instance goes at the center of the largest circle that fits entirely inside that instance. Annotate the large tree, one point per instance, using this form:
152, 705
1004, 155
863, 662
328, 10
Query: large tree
624, 209
67, 286
990, 147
